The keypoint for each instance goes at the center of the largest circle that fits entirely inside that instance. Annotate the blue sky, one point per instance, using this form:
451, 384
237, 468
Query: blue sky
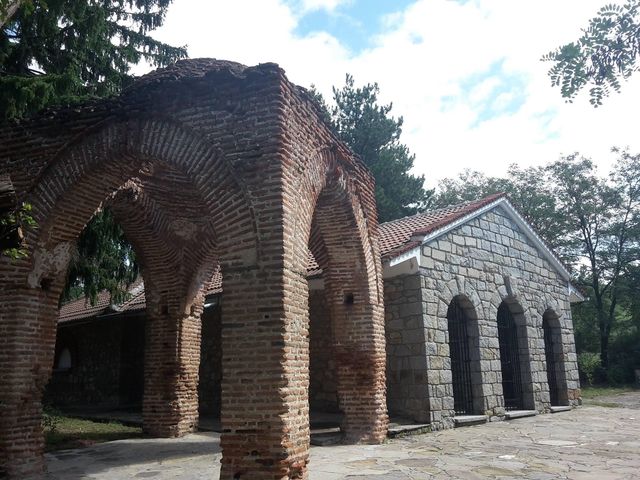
465, 75
354, 23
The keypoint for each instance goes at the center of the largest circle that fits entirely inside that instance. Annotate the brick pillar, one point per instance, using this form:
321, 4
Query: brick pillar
351, 270
359, 349
27, 341
172, 361
265, 358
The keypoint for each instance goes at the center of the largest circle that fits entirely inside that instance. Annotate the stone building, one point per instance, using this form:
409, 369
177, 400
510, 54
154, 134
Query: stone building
226, 176
478, 327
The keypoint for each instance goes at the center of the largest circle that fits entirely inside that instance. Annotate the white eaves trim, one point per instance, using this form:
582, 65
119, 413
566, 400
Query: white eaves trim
513, 214
441, 231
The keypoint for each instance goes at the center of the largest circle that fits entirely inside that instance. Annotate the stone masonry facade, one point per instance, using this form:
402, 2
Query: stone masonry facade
486, 262
207, 165
483, 263
213, 168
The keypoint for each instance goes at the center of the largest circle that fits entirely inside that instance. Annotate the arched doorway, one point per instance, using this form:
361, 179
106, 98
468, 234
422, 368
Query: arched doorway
347, 331
510, 359
554, 359
465, 356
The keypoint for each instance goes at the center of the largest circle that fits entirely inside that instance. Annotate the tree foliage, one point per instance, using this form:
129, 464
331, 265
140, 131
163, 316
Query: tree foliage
55, 52
606, 53
12, 224
527, 189
64, 51
603, 219
104, 260
593, 222
371, 132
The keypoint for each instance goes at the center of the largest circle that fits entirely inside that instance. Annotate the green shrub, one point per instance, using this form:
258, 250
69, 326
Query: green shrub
589, 367
619, 375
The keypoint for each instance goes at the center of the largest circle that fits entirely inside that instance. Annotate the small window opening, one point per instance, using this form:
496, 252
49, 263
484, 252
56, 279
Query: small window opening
64, 360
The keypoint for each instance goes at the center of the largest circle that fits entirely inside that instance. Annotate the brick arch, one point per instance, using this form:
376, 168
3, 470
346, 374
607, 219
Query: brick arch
175, 280
269, 134
152, 232
339, 228
66, 194
86, 172
330, 179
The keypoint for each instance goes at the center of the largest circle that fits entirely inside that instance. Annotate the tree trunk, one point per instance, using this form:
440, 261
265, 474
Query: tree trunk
603, 326
604, 347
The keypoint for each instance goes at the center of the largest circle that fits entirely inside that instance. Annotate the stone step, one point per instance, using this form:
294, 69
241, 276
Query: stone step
467, 420
560, 408
511, 414
396, 430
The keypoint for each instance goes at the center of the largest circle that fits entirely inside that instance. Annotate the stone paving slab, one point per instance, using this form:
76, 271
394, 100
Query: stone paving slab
590, 443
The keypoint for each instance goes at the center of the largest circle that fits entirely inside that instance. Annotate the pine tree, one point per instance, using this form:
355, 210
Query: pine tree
371, 132
58, 52
104, 260
64, 51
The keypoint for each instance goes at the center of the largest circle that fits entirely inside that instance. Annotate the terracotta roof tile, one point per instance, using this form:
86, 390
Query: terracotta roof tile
82, 308
395, 236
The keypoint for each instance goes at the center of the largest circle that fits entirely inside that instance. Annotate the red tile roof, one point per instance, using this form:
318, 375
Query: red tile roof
82, 308
396, 237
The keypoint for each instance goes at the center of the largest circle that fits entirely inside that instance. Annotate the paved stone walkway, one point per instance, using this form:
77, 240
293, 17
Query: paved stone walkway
591, 443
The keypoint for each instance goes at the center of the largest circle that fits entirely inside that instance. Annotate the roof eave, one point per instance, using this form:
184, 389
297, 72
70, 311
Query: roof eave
513, 214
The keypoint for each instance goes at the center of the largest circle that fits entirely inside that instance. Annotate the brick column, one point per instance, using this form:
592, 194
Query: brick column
265, 410
359, 349
172, 362
27, 341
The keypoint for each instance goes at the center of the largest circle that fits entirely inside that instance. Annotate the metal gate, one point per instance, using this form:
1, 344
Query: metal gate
509, 359
551, 362
460, 359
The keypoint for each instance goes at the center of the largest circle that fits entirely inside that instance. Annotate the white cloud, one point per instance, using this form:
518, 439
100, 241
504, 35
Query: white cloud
430, 51
327, 5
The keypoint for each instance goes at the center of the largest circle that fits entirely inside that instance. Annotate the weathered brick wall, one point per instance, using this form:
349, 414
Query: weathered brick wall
488, 261
215, 164
107, 364
323, 388
207, 163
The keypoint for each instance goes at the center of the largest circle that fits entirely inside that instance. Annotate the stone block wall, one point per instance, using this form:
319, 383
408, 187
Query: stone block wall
480, 263
106, 365
407, 370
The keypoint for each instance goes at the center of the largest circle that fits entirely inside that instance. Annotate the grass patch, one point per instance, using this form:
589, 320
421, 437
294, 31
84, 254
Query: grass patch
589, 393
62, 432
